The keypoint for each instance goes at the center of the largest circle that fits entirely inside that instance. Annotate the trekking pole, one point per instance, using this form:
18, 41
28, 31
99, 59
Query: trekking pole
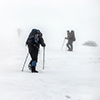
25, 62
43, 56
63, 44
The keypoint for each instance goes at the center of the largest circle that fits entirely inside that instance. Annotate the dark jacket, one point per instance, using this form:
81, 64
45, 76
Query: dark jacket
71, 36
35, 39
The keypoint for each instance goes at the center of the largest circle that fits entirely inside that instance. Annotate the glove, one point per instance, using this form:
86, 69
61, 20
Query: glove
44, 45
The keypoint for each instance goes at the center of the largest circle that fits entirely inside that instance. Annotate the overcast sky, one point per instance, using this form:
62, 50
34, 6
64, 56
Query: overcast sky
52, 17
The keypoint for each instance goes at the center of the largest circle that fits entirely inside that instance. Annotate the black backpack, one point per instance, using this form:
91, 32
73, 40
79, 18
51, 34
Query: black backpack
74, 39
73, 33
33, 38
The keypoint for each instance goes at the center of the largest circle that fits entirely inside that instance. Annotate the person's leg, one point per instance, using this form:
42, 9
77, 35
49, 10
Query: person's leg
68, 45
34, 56
30, 52
30, 65
71, 45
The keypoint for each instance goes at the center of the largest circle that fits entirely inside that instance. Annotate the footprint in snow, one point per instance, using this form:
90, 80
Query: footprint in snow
68, 97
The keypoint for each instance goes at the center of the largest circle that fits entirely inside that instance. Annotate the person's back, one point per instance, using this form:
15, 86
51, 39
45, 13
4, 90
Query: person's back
69, 36
72, 35
35, 38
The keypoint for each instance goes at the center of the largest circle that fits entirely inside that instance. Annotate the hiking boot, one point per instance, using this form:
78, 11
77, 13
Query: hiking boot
29, 66
68, 50
71, 49
33, 70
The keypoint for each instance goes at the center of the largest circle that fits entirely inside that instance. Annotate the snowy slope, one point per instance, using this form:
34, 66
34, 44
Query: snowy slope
67, 75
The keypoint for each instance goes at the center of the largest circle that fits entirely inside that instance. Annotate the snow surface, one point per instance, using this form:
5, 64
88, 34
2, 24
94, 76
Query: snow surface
67, 75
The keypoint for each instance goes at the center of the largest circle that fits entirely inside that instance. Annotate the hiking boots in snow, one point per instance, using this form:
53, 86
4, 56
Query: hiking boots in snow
29, 66
33, 70
70, 49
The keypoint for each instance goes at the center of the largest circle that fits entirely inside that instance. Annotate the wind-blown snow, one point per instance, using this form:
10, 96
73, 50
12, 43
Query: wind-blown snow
67, 75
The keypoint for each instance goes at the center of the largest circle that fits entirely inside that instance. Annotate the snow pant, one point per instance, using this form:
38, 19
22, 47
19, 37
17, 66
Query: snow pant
70, 45
33, 50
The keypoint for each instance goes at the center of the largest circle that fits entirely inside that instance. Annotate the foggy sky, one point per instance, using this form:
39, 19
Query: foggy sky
52, 17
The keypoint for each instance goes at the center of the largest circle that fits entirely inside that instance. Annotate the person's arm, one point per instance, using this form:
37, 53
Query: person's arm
42, 41
66, 37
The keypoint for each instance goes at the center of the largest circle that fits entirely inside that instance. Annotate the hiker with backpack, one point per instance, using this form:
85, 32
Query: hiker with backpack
71, 39
34, 40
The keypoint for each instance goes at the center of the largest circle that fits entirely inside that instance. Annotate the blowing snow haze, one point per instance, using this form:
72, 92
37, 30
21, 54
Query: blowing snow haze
52, 17
67, 75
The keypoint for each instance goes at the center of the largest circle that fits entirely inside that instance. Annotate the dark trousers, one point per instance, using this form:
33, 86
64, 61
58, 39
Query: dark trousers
33, 50
70, 45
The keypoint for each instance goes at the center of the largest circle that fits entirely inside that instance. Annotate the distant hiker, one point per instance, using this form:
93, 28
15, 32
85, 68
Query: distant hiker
34, 40
19, 31
71, 38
